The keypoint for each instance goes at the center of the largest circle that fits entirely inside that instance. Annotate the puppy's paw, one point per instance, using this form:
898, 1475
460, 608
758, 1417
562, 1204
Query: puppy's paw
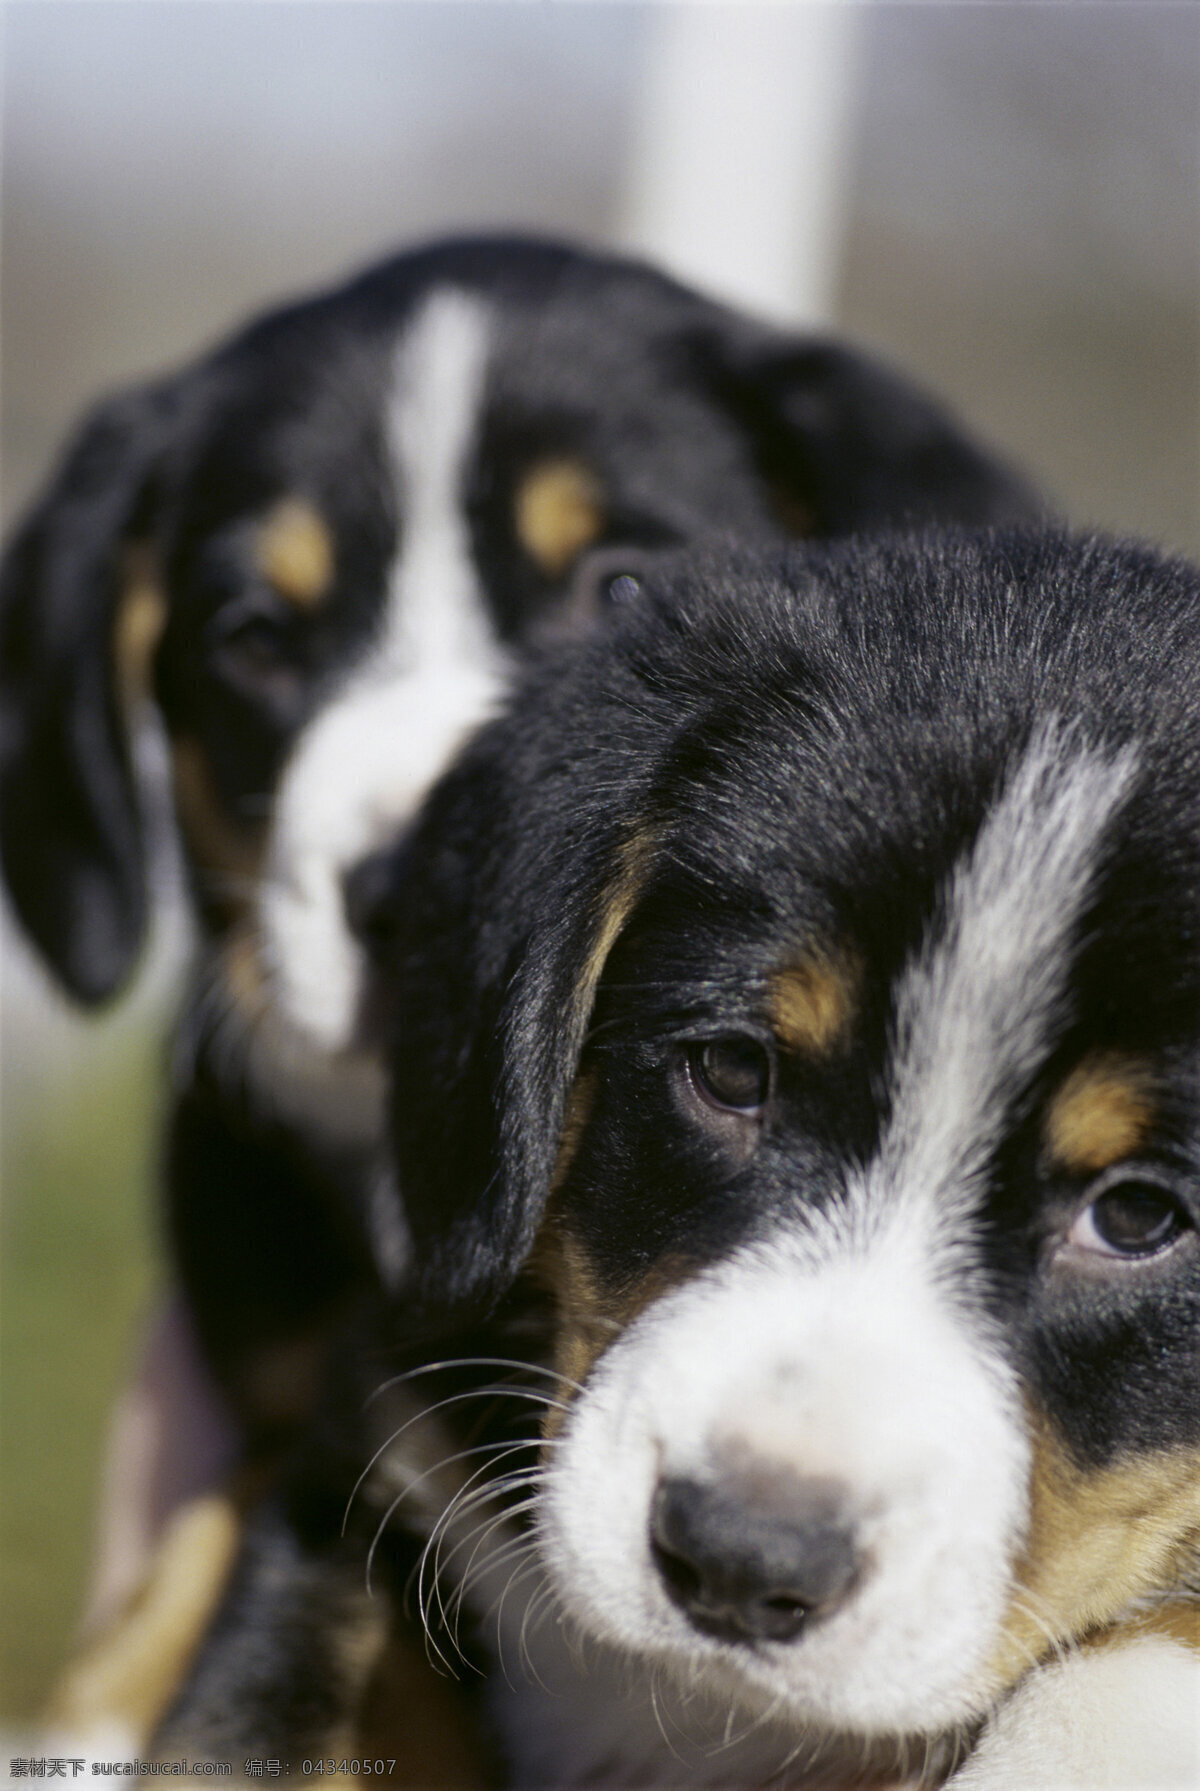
1120, 1718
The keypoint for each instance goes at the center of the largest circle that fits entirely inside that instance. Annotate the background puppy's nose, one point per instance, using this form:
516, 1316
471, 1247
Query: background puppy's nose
752, 1558
368, 891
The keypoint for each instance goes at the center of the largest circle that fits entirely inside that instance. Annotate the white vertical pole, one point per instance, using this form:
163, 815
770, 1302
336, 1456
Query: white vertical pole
737, 161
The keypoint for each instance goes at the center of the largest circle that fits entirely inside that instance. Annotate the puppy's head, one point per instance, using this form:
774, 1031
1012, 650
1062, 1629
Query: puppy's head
317, 549
806, 982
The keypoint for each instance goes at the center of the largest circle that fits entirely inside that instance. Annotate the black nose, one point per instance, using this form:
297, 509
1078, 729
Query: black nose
369, 899
754, 1557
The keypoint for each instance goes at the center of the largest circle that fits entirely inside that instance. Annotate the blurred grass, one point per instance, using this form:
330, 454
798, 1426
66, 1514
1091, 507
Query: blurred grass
78, 1259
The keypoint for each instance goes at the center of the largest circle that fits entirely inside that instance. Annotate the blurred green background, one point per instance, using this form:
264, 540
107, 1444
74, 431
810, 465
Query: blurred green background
76, 1162
1018, 222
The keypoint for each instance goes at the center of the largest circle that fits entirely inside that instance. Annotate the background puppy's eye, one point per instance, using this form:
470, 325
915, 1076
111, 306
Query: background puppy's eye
1132, 1216
732, 1074
251, 636
255, 650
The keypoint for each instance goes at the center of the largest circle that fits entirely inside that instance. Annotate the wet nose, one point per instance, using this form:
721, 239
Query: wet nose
754, 1558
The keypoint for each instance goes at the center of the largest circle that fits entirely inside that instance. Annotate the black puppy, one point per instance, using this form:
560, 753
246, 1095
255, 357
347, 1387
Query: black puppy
317, 550
797, 1088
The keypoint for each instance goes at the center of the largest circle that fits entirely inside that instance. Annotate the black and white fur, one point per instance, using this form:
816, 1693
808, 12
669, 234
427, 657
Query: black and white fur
796, 1096
304, 550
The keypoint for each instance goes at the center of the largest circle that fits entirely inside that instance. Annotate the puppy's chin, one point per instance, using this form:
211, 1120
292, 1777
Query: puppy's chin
241, 1036
781, 1374
357, 777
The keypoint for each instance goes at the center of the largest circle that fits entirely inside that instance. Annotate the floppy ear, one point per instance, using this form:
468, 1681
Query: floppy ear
70, 831
500, 954
845, 444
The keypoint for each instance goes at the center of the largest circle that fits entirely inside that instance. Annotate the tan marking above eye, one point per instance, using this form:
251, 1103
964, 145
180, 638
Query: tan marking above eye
558, 511
294, 552
138, 625
618, 902
1100, 1542
1103, 1112
813, 1001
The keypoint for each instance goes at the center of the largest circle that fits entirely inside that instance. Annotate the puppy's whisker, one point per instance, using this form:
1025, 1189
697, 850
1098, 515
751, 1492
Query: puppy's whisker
1027, 1603
476, 1506
536, 1611
596, 1324
456, 1503
656, 1707
452, 1362
513, 1483
438, 1467
442, 1405
430, 1559
519, 1575
480, 1497
520, 1545
734, 1737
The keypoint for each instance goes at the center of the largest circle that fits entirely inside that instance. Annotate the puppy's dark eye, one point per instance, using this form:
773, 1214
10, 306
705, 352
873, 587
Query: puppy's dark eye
1130, 1216
251, 635
732, 1074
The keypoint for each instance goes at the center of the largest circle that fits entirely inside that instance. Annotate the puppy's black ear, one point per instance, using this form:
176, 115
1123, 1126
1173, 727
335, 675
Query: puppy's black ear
845, 444
70, 832
501, 944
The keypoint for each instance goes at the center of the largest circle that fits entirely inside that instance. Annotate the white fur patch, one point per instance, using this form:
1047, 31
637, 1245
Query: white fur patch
1117, 1719
849, 1345
852, 1368
434, 672
973, 1012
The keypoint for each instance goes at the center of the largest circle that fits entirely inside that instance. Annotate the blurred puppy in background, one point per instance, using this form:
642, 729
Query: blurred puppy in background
318, 552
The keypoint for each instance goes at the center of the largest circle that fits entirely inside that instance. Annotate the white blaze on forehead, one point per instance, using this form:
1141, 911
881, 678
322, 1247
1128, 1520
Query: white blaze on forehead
975, 1011
436, 609
431, 674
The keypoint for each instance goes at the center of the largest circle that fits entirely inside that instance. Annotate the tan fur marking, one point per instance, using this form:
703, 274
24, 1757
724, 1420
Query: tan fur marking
218, 842
813, 1001
633, 863
586, 1323
1177, 1621
418, 1716
1100, 1541
591, 1315
359, 1645
294, 552
588, 1316
244, 979
137, 629
558, 511
1102, 1113
579, 1111
133, 1670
